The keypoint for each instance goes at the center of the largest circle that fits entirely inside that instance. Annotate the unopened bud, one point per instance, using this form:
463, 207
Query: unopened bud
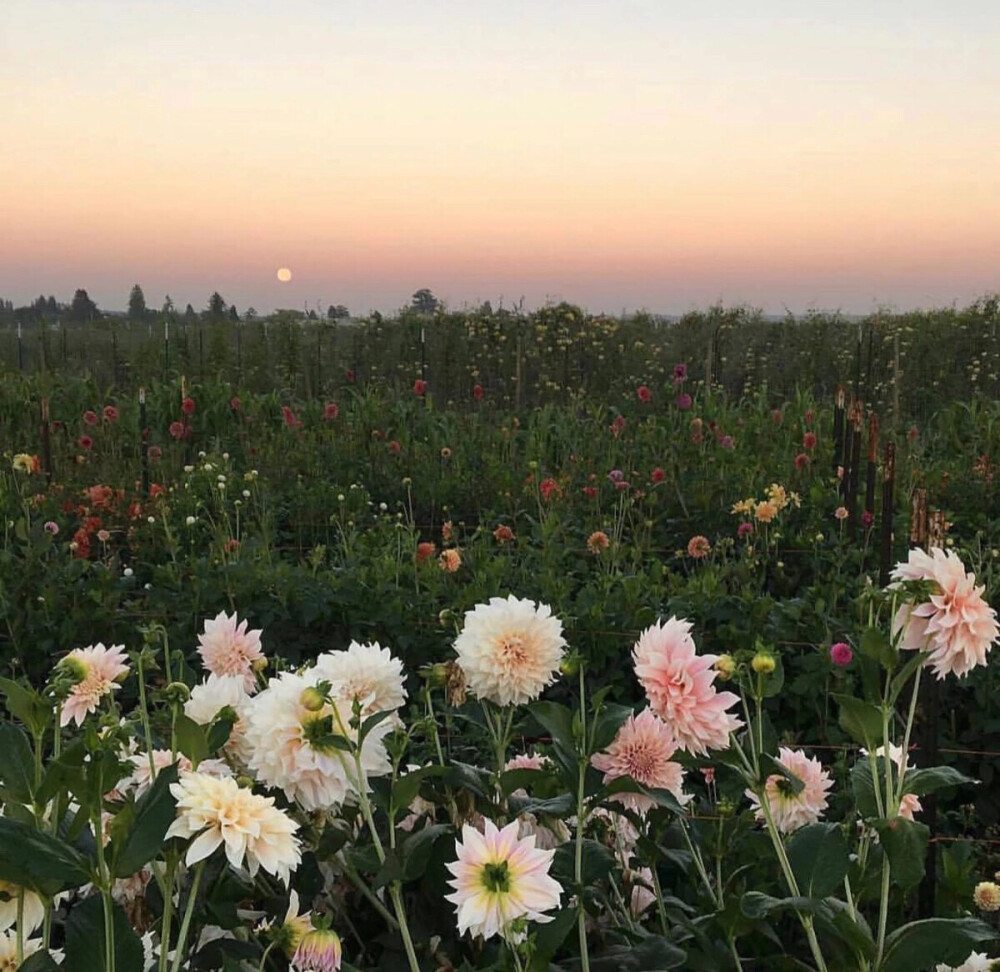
763, 664
725, 807
72, 668
177, 692
259, 664
570, 665
312, 699
435, 675
725, 665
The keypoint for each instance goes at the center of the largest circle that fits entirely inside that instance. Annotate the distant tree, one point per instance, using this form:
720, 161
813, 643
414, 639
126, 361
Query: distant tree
312, 315
189, 314
251, 314
486, 308
233, 316
51, 306
424, 302
82, 308
216, 306
136, 304
337, 312
167, 310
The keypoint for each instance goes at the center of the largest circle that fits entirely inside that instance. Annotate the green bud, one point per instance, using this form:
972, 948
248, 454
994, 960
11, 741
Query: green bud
312, 699
177, 693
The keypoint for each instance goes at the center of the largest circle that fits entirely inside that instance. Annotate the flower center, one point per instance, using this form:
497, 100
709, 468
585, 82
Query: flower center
496, 877
512, 649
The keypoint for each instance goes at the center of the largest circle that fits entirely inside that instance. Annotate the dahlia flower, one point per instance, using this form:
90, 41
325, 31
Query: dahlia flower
227, 648
213, 695
33, 910
498, 879
642, 895
220, 812
956, 626
976, 962
319, 951
642, 750
287, 751
367, 673
142, 777
788, 810
510, 649
528, 761
986, 896
910, 803
8, 951
678, 683
100, 669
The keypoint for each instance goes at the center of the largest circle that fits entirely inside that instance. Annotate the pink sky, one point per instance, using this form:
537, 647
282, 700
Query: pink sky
615, 155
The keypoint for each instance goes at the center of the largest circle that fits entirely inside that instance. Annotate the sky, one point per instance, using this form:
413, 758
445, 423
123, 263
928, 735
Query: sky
829, 154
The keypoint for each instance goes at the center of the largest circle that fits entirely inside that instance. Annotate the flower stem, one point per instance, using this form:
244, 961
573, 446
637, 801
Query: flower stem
188, 912
581, 819
168, 914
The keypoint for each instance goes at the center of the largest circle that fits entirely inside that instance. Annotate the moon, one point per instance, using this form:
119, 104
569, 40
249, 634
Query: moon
284, 274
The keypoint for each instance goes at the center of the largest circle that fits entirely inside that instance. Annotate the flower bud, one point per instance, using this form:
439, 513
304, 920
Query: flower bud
763, 663
570, 665
725, 666
725, 807
73, 669
319, 951
312, 699
435, 675
177, 692
259, 664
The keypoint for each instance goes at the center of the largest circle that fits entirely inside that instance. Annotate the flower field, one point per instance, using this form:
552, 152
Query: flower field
377, 675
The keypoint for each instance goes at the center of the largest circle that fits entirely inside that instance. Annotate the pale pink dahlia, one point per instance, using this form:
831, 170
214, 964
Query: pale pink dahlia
100, 669
788, 810
510, 649
678, 683
956, 626
642, 750
219, 812
227, 648
532, 761
499, 879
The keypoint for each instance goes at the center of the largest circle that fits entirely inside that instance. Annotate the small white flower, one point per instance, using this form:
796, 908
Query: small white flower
127, 572
190, 521
246, 494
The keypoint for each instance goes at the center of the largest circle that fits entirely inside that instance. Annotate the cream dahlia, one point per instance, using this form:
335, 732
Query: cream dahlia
368, 673
211, 697
8, 951
976, 962
510, 649
642, 750
227, 648
498, 879
219, 812
956, 626
287, 746
791, 811
99, 670
33, 909
678, 683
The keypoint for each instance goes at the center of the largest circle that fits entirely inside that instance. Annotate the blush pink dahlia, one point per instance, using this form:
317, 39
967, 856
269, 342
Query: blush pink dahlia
99, 670
789, 810
368, 673
678, 683
642, 749
498, 879
956, 626
227, 648
510, 649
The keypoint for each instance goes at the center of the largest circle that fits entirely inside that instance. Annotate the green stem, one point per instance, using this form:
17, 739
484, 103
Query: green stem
188, 912
660, 906
359, 882
19, 947
263, 959
906, 734
699, 864
738, 963
581, 819
168, 914
144, 714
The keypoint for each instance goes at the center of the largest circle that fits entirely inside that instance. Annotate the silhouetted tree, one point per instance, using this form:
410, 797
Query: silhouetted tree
337, 312
82, 308
251, 314
233, 316
424, 302
167, 310
189, 314
136, 304
216, 306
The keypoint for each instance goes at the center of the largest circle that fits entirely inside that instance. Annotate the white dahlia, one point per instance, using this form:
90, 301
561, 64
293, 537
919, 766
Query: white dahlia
33, 909
256, 834
287, 749
8, 951
509, 649
213, 695
368, 673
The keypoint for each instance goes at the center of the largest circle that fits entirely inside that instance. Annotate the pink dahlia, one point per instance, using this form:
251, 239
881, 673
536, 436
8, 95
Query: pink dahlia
789, 810
956, 626
642, 750
227, 648
99, 670
678, 683
498, 879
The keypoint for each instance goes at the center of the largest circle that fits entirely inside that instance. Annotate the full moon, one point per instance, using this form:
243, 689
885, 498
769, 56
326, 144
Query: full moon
284, 274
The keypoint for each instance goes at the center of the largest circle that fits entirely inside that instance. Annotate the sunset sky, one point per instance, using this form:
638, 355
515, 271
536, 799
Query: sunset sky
620, 155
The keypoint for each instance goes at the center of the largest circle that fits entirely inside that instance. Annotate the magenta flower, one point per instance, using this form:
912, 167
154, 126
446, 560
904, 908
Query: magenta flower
841, 654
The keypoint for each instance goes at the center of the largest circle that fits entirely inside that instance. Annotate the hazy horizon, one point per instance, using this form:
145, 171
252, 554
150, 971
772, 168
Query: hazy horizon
619, 156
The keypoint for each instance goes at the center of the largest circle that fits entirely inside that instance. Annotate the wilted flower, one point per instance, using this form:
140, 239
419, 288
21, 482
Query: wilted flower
228, 648
789, 810
642, 749
99, 670
510, 649
678, 683
220, 812
498, 879
956, 626
26, 463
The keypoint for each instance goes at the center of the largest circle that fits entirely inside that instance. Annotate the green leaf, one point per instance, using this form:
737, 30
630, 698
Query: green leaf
650, 954
598, 862
560, 806
557, 721
756, 904
36, 860
924, 944
901, 677
905, 844
85, 950
372, 721
40, 962
819, 857
876, 644
27, 705
549, 937
406, 788
607, 723
17, 766
192, 739
521, 779
862, 721
415, 851
221, 729
469, 777
863, 787
924, 781
141, 836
